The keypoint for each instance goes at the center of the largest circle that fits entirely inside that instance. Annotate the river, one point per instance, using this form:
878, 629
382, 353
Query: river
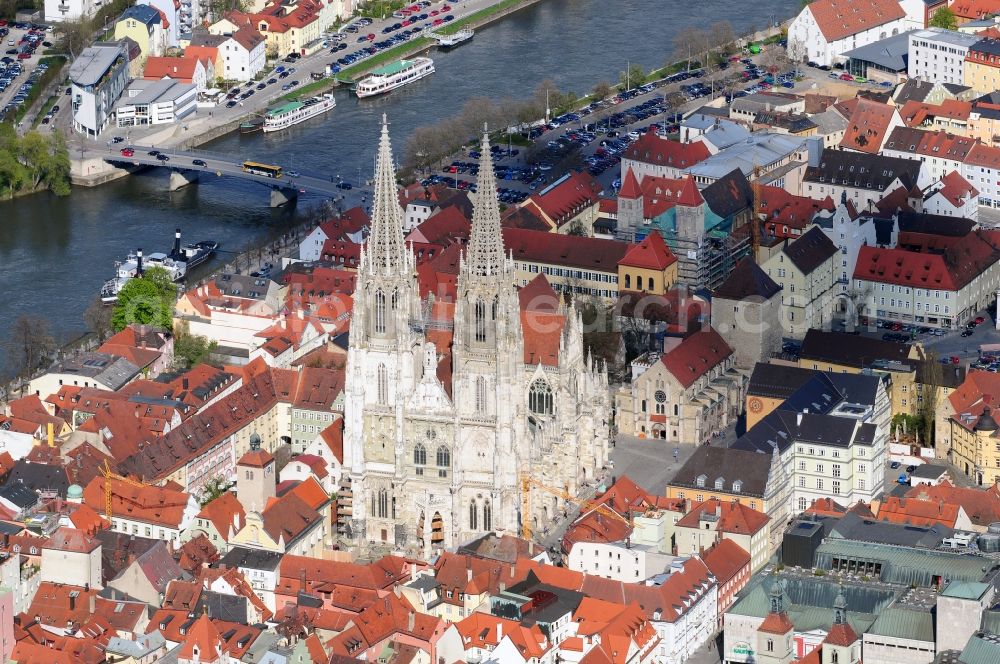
56, 252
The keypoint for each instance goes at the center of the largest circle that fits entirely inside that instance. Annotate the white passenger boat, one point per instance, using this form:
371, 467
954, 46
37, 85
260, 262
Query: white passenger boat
294, 112
393, 76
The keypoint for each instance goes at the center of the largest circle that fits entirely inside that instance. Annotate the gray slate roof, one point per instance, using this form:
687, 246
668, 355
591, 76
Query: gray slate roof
751, 468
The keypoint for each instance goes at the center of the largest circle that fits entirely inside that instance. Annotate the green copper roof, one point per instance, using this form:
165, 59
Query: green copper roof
982, 648
392, 68
904, 624
965, 589
284, 108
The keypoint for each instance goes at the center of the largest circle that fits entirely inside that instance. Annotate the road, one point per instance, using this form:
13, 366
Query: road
262, 99
322, 184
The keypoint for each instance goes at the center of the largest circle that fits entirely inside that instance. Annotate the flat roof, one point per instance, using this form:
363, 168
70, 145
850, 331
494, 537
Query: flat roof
94, 62
949, 36
163, 89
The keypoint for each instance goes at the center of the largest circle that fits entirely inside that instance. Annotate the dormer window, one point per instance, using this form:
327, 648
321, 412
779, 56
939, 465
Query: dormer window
719, 483
737, 486
700, 481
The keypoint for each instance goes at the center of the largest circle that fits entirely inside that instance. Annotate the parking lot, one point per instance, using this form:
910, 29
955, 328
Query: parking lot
20, 70
594, 137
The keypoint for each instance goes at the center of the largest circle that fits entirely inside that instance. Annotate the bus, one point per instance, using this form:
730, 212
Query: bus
262, 169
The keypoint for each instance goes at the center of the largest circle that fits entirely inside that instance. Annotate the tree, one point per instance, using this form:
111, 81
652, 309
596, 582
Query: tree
576, 228
631, 78
98, 319
147, 300
213, 489
190, 349
944, 18
30, 343
688, 44
721, 36
931, 377
602, 90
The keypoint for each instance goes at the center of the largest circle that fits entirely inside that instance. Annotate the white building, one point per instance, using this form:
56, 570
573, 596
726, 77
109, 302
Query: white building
825, 29
929, 289
172, 13
631, 563
98, 76
952, 196
99, 370
156, 102
243, 55
938, 55
687, 625
981, 169
59, 11
849, 231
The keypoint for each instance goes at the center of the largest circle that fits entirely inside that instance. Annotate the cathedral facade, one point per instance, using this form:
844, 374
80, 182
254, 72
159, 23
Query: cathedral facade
448, 418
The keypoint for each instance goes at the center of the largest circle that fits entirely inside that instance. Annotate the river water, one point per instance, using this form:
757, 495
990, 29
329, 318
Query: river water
56, 252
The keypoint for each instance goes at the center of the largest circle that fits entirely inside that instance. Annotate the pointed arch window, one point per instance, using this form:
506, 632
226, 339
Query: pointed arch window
473, 516
487, 516
383, 385
540, 398
420, 457
496, 307
383, 504
395, 299
480, 322
480, 394
443, 461
379, 312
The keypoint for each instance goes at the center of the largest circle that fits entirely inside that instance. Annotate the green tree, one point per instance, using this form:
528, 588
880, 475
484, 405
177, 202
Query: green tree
944, 18
147, 300
602, 90
212, 489
632, 78
190, 349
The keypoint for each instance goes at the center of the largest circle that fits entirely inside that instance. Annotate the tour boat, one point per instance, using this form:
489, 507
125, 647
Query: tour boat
177, 264
446, 42
294, 112
393, 76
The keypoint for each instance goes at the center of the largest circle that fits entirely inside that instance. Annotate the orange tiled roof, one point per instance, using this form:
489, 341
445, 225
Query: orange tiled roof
838, 19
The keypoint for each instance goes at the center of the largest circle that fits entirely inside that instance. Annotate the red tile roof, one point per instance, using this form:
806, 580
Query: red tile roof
956, 189
916, 512
630, 185
585, 253
967, 259
868, 125
181, 69
725, 560
776, 623
734, 517
658, 151
651, 254
981, 506
202, 641
696, 356
568, 197
841, 634
838, 19
971, 10
149, 504
224, 512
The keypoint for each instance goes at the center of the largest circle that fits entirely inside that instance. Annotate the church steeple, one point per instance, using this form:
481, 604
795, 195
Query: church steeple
485, 256
386, 252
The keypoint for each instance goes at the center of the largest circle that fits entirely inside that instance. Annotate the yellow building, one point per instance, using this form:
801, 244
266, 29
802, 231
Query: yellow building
143, 24
975, 445
648, 267
982, 66
591, 266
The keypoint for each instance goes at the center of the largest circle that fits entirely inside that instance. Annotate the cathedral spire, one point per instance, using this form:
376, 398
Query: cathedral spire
484, 256
386, 251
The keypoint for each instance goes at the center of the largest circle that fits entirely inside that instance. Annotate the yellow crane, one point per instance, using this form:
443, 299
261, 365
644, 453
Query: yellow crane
528, 482
111, 475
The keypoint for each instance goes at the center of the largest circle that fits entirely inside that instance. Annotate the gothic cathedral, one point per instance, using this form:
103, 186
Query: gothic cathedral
444, 426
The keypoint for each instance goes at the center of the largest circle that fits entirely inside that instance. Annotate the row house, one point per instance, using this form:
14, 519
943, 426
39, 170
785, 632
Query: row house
231, 310
931, 289
714, 520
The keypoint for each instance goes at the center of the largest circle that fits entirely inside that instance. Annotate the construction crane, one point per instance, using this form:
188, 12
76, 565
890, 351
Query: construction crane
111, 475
754, 221
528, 482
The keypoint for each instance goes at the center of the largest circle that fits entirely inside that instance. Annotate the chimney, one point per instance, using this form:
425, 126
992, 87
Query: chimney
718, 510
72, 601
177, 243
93, 603
798, 420
411, 619
413, 571
499, 631
468, 574
138, 262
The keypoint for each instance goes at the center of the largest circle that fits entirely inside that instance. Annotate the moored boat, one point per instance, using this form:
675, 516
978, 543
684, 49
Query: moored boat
446, 42
394, 75
294, 112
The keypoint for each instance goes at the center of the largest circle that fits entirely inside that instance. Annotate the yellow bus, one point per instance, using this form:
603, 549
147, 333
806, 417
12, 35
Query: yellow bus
262, 169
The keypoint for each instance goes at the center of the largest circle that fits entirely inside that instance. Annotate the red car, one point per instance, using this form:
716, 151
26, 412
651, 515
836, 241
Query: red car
371, 37
406, 23
128, 152
435, 13
446, 8
980, 320
23, 56
846, 77
954, 359
438, 21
